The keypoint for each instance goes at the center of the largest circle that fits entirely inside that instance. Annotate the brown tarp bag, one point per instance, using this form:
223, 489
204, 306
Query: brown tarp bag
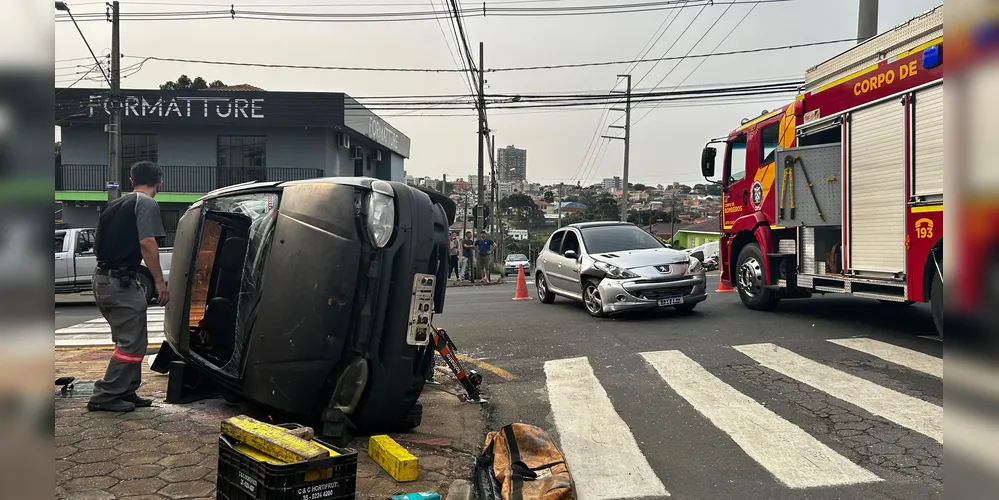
521, 462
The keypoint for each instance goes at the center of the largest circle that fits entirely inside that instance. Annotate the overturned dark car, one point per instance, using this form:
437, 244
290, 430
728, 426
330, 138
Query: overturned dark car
312, 298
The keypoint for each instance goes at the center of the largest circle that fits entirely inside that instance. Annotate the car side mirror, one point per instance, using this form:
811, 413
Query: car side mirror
699, 255
571, 254
708, 162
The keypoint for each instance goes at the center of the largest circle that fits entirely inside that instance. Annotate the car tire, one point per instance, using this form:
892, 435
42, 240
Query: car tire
685, 308
937, 301
750, 280
147, 286
544, 293
896, 304
592, 301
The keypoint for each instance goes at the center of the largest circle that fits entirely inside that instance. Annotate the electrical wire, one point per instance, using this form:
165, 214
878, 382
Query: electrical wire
395, 16
699, 64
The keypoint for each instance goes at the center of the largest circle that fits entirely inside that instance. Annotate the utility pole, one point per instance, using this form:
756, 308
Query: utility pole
867, 20
444, 185
627, 146
492, 184
672, 219
117, 107
482, 137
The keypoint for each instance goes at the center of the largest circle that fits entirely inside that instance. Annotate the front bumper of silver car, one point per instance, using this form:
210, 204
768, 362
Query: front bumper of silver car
620, 295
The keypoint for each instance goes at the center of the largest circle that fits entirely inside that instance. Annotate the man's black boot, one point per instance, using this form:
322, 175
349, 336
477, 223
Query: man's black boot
137, 401
116, 405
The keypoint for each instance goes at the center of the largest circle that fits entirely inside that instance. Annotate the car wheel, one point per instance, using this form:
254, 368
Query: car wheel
544, 293
896, 304
685, 308
592, 300
751, 282
937, 301
147, 286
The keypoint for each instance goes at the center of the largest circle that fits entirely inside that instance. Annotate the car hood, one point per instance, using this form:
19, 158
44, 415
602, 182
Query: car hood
633, 259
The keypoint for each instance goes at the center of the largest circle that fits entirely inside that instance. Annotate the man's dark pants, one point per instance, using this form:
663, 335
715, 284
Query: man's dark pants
125, 310
453, 262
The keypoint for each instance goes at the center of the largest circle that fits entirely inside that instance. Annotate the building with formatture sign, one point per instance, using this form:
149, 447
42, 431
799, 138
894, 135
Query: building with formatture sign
207, 139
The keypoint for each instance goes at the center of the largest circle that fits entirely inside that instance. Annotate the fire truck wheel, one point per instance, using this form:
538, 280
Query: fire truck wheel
751, 282
936, 301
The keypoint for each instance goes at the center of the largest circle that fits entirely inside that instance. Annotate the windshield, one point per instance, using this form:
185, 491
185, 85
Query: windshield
516, 257
618, 239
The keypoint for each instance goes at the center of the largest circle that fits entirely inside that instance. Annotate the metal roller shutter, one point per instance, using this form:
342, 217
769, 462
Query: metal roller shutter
929, 137
877, 189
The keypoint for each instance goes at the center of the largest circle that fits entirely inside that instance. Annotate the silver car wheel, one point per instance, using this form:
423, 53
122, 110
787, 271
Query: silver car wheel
751, 277
541, 285
591, 297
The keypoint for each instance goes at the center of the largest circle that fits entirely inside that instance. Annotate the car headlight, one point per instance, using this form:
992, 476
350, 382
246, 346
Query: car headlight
613, 271
694, 266
381, 213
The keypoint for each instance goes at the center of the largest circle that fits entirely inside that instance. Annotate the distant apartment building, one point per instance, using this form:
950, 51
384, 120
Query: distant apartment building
611, 185
511, 164
474, 180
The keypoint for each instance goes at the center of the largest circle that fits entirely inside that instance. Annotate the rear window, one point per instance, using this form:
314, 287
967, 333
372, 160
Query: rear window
516, 257
608, 239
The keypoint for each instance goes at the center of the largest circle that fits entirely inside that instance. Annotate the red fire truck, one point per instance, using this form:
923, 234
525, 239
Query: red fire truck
841, 191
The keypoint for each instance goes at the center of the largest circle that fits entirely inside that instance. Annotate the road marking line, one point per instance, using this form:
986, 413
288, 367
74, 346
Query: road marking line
101, 328
894, 354
602, 453
904, 410
495, 370
796, 459
970, 429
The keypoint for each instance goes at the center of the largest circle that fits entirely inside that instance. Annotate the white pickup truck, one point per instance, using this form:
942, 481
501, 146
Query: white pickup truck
75, 262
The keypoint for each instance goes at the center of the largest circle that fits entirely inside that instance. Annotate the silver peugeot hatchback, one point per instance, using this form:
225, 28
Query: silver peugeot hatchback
614, 267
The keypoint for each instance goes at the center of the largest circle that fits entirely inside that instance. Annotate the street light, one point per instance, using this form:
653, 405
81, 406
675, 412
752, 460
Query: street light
62, 6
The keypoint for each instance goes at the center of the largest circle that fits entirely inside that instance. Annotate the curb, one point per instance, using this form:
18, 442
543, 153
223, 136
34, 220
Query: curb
460, 489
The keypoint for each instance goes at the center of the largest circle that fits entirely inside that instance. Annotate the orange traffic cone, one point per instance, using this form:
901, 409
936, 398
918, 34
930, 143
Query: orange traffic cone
722, 287
521, 286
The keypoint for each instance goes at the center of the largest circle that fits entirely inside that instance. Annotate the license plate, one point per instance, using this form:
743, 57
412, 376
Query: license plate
421, 309
670, 301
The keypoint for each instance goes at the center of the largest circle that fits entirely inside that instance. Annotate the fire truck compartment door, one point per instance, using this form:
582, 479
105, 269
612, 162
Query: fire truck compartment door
928, 159
877, 189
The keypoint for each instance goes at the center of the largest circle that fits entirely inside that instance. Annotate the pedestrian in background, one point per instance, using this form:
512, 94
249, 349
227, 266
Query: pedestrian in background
453, 258
127, 234
485, 248
468, 250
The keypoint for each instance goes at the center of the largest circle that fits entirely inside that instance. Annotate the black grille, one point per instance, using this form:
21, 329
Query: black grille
663, 293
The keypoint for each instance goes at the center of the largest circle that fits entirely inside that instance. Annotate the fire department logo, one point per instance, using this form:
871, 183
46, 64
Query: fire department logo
757, 195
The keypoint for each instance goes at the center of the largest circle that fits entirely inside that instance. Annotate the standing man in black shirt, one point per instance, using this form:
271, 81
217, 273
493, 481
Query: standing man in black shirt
127, 234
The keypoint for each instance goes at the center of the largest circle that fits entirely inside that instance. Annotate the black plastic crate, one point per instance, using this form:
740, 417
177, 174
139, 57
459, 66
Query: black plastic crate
241, 477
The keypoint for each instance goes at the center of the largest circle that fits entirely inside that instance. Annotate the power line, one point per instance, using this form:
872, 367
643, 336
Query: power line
396, 16
493, 70
750, 11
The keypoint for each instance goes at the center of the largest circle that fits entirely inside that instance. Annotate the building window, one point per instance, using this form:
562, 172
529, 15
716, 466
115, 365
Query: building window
242, 158
242, 151
139, 147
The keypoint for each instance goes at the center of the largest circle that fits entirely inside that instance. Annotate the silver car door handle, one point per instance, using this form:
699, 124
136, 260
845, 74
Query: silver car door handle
60, 258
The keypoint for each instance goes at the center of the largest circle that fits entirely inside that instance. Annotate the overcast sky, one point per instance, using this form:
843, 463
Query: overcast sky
665, 144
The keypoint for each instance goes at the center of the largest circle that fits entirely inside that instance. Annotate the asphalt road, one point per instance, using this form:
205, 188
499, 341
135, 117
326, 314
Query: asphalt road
723, 403
701, 416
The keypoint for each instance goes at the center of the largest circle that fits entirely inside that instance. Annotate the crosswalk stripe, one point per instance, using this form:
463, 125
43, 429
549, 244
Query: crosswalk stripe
602, 453
797, 459
894, 354
907, 411
101, 328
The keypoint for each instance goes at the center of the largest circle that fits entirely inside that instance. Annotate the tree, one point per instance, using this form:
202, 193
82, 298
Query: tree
186, 83
605, 207
525, 211
549, 197
700, 189
713, 190
640, 187
685, 189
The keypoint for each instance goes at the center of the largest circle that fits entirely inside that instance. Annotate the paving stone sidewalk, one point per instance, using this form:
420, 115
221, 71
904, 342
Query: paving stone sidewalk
171, 451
